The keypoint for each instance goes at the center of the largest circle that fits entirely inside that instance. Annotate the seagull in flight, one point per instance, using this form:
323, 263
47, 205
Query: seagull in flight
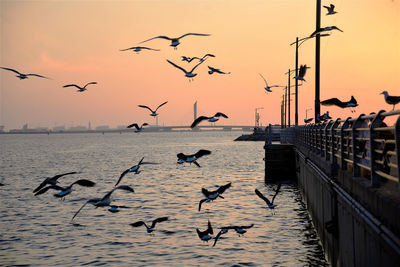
302, 73
212, 70
134, 169
331, 9
104, 201
239, 229
324, 117
212, 195
24, 75
268, 88
210, 119
188, 74
352, 103
137, 49
206, 234
153, 112
329, 28
138, 129
52, 180
308, 120
189, 59
391, 100
182, 158
153, 224
175, 41
64, 191
80, 89
270, 204
115, 208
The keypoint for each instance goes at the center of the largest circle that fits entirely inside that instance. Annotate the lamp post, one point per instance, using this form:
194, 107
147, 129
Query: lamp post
317, 108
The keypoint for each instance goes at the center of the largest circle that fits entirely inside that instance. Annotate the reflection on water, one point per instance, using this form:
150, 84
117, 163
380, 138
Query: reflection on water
37, 230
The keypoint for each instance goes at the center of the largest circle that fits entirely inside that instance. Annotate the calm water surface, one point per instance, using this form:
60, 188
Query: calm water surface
36, 231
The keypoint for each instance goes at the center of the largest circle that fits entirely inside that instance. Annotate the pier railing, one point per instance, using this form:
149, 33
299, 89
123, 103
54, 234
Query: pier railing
365, 145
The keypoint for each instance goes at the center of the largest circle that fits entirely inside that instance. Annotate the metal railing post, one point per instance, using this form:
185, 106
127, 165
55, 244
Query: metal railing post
376, 122
354, 134
397, 141
326, 137
345, 125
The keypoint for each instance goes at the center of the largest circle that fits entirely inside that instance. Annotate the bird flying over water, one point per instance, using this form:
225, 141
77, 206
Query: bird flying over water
24, 75
104, 201
268, 88
302, 73
134, 169
210, 119
80, 89
329, 28
138, 129
352, 103
331, 9
206, 234
213, 195
51, 180
391, 100
182, 158
153, 112
212, 70
175, 41
190, 59
188, 74
238, 229
270, 204
137, 49
153, 224
64, 191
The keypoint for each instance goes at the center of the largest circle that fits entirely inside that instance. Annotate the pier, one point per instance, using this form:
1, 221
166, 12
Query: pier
348, 172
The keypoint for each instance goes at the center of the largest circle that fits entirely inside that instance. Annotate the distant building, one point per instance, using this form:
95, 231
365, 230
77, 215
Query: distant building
195, 110
120, 127
89, 126
58, 128
77, 128
102, 128
1, 128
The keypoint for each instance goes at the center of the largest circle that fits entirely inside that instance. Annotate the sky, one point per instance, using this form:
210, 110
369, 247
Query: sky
79, 41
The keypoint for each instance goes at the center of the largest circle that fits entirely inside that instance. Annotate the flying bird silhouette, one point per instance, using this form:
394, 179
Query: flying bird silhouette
51, 180
212, 70
331, 9
153, 112
323, 118
175, 41
391, 100
206, 234
188, 74
239, 229
329, 28
210, 119
182, 158
80, 89
64, 191
270, 204
134, 169
268, 88
352, 103
138, 129
190, 59
308, 120
104, 201
213, 195
302, 73
153, 224
137, 49
24, 75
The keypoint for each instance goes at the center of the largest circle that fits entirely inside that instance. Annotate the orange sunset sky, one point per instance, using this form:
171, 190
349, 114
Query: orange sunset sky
78, 42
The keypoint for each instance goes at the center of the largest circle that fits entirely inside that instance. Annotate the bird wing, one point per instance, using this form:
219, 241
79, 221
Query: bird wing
76, 213
43, 184
72, 85
222, 189
263, 197
133, 125
45, 189
208, 55
143, 106
176, 66
182, 156
157, 37
201, 61
210, 229
246, 226
198, 120
197, 34
197, 164
122, 175
264, 79
220, 114
327, 7
84, 182
333, 101
161, 105
201, 202
89, 83
148, 48
60, 175
130, 48
276, 193
161, 219
217, 237
202, 152
144, 124
137, 224
11, 70
123, 187
37, 75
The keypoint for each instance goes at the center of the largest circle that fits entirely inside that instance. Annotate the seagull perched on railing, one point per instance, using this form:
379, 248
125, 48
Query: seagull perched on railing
24, 75
153, 112
391, 100
323, 118
137, 49
182, 158
212, 70
153, 224
64, 191
329, 28
135, 169
331, 9
80, 89
213, 195
188, 74
210, 119
267, 87
138, 129
270, 204
352, 103
206, 234
104, 201
302, 73
189, 59
52, 180
175, 41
